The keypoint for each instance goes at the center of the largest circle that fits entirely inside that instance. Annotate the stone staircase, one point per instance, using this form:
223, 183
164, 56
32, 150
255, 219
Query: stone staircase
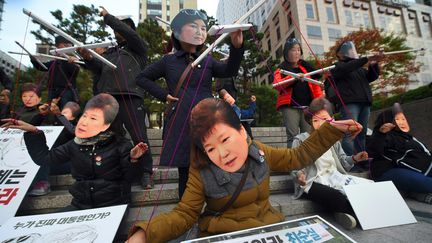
165, 193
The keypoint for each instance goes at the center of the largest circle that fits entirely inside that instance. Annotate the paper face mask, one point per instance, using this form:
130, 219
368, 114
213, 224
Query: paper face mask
190, 26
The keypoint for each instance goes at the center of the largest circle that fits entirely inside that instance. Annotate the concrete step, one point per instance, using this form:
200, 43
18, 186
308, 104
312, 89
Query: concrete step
161, 193
161, 174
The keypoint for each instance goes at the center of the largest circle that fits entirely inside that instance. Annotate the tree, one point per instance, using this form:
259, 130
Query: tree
395, 69
156, 38
83, 24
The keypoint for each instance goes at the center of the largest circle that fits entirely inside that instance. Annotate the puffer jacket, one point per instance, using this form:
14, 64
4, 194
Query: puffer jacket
102, 171
252, 207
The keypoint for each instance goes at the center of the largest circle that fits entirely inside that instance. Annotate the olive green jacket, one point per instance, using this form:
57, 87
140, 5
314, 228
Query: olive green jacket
252, 207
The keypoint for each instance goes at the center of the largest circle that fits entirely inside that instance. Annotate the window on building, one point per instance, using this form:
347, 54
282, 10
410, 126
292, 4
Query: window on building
269, 44
181, 4
366, 20
383, 21
314, 31
348, 18
358, 21
426, 20
317, 49
334, 34
310, 11
412, 24
289, 20
330, 15
278, 34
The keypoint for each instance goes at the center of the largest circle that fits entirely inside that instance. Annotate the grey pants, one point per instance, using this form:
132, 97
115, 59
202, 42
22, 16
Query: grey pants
294, 122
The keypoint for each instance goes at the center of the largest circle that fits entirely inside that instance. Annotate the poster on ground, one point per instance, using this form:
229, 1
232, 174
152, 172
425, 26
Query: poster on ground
308, 229
17, 169
92, 225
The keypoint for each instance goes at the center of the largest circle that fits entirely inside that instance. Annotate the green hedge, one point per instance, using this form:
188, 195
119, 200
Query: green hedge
415, 94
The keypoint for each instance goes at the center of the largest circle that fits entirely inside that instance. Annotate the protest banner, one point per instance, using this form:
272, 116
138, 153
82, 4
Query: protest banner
308, 229
91, 225
17, 170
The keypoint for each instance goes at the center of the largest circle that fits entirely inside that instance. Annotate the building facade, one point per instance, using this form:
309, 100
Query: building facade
9, 64
164, 9
322, 22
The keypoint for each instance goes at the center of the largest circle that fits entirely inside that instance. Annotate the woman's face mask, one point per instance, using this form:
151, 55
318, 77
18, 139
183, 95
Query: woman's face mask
194, 33
91, 123
402, 122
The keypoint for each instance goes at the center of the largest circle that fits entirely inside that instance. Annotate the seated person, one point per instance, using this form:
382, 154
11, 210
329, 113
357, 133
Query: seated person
323, 181
241, 113
102, 162
30, 96
230, 174
399, 157
41, 185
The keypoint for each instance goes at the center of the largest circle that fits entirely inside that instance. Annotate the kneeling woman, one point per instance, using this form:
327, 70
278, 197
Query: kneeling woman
100, 157
231, 175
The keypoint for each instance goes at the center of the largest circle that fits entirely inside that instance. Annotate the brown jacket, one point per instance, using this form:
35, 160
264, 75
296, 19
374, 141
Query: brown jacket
252, 207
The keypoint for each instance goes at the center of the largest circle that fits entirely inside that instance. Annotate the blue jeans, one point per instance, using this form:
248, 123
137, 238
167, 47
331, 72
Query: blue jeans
360, 113
408, 180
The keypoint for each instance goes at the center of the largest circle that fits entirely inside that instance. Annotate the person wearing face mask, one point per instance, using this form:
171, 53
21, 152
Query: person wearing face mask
184, 90
323, 181
398, 156
295, 96
130, 57
229, 175
352, 82
103, 162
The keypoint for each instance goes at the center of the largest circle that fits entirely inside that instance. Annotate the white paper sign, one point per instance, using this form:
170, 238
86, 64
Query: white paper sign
378, 205
17, 170
92, 225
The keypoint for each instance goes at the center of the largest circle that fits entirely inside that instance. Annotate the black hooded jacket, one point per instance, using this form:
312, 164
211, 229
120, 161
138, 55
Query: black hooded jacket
396, 149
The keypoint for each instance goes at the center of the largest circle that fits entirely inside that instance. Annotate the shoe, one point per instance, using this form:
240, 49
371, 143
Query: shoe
345, 220
40, 188
147, 181
422, 197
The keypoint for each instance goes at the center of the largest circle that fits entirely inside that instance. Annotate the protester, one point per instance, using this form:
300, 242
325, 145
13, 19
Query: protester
352, 82
130, 57
30, 97
62, 76
230, 174
323, 181
241, 113
297, 95
189, 33
102, 161
399, 157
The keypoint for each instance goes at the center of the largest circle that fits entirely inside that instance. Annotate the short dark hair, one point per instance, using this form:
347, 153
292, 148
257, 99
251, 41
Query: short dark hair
317, 104
74, 107
30, 87
107, 103
204, 116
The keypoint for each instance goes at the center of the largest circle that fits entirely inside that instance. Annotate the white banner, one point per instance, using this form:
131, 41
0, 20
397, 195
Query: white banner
92, 225
17, 170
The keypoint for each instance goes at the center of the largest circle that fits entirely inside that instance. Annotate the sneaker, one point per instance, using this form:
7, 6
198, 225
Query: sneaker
345, 220
40, 188
422, 197
147, 181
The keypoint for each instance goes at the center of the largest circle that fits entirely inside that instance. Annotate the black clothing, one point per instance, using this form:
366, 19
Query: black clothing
352, 81
102, 171
5, 80
198, 87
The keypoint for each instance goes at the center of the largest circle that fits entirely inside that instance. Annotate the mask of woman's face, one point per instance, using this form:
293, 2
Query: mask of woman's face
226, 147
294, 54
30, 98
91, 123
402, 122
320, 118
194, 33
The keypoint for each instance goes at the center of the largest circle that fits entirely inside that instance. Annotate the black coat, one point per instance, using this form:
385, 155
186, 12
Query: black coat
102, 171
352, 80
130, 58
171, 68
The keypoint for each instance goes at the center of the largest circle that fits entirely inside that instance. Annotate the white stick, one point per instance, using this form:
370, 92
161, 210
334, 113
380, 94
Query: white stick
87, 46
68, 37
301, 76
46, 56
163, 21
399, 52
37, 60
218, 40
306, 74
